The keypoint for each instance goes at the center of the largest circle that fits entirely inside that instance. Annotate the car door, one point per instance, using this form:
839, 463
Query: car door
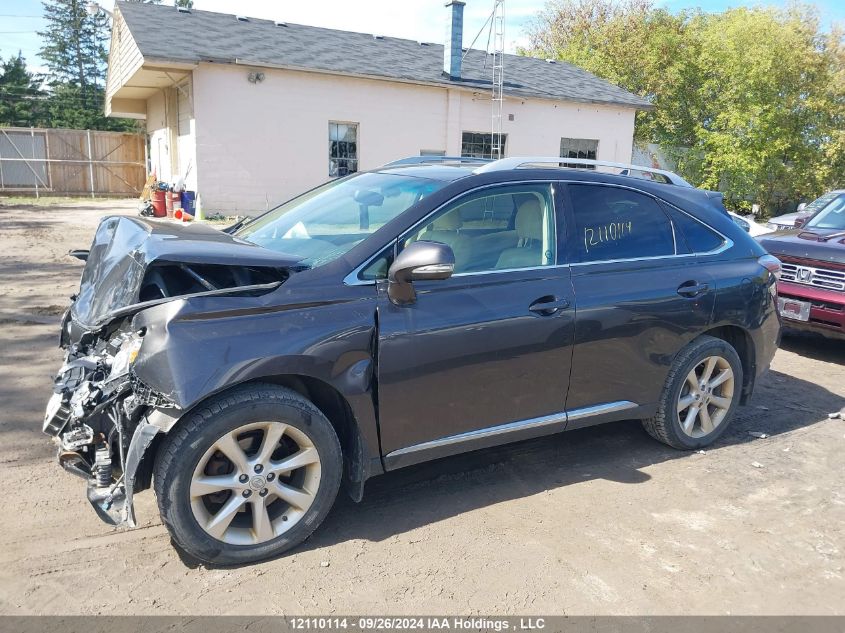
641, 298
483, 357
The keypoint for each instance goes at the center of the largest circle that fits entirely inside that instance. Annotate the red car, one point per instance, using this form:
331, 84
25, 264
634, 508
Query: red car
811, 289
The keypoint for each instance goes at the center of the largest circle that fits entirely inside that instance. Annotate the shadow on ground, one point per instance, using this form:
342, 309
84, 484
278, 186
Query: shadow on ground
815, 346
406, 499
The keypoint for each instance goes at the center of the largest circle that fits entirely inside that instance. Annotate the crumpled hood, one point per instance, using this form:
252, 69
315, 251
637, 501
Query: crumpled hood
125, 247
805, 244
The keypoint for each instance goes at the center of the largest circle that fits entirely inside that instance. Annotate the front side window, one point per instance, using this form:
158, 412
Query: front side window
832, 215
579, 148
343, 149
480, 145
501, 228
612, 223
321, 225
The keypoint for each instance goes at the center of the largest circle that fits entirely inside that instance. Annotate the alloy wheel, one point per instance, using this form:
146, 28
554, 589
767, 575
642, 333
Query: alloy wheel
706, 397
255, 483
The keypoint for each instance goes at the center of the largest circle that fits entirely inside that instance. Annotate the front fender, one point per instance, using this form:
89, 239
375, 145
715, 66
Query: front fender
194, 349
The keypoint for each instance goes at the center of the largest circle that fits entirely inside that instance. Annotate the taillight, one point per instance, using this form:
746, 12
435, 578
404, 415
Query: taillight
771, 263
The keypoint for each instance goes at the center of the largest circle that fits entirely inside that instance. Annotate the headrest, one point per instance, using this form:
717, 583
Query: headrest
529, 220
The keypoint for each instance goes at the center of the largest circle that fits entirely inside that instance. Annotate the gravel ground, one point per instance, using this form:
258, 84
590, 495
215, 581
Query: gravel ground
602, 520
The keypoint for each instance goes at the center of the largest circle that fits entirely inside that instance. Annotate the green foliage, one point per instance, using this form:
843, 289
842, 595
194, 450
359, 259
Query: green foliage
21, 97
75, 52
73, 107
749, 101
74, 43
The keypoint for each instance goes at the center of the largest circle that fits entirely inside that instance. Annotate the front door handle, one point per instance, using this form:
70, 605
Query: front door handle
692, 289
547, 306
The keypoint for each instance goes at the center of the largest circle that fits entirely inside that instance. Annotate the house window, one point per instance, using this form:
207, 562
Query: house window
579, 148
480, 145
343, 149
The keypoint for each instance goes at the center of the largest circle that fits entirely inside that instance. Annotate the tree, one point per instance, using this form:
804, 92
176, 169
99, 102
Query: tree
70, 106
74, 43
75, 52
21, 97
750, 101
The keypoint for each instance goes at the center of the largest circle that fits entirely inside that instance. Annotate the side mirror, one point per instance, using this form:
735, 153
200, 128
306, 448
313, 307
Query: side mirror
419, 261
801, 207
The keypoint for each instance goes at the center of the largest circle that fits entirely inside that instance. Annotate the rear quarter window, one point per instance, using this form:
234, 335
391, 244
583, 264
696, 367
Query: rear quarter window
694, 236
613, 223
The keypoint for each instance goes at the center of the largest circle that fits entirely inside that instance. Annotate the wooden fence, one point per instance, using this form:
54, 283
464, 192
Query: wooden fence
71, 162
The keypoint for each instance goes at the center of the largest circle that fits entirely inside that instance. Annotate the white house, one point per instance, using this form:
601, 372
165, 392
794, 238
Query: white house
256, 111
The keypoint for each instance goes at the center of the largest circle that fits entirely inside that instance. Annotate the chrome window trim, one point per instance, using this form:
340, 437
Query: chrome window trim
510, 427
352, 278
726, 244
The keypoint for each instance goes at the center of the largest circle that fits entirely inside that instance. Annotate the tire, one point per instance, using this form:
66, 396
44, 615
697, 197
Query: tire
248, 475
679, 399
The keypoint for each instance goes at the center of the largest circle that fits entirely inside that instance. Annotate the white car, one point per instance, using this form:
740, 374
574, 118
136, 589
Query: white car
748, 225
783, 222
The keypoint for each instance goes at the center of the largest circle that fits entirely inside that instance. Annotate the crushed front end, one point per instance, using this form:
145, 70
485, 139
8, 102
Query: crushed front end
102, 415
95, 414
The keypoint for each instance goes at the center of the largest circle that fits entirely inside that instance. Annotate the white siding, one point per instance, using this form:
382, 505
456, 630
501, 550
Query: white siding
160, 136
124, 56
186, 135
171, 129
260, 144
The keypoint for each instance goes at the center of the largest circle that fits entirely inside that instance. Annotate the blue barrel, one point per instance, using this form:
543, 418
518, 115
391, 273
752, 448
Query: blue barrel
189, 202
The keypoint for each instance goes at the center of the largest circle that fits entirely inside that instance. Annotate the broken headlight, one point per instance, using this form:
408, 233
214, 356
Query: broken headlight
126, 354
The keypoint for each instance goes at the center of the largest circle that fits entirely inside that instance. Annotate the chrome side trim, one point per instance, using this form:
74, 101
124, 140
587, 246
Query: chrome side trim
520, 425
546, 420
728, 244
610, 407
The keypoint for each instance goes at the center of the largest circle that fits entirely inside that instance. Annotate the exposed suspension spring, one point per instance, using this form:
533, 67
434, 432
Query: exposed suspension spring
102, 465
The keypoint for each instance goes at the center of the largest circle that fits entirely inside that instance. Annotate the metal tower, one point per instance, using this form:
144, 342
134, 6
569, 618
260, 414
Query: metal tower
497, 29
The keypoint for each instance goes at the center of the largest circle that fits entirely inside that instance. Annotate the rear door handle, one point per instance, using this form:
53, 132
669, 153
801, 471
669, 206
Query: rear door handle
547, 306
692, 289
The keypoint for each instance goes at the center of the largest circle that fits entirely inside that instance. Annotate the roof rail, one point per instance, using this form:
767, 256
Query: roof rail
427, 160
516, 162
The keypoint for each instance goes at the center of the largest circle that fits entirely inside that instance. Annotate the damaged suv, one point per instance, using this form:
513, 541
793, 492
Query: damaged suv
392, 317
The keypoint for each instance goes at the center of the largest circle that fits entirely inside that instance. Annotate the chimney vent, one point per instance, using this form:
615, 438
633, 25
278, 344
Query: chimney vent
454, 39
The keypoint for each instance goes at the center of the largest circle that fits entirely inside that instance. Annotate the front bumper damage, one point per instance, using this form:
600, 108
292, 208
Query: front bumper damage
103, 425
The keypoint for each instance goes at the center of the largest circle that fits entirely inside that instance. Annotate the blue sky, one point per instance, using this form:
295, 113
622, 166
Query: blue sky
412, 19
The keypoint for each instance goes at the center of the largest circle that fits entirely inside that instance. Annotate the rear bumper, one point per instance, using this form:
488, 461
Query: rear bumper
827, 309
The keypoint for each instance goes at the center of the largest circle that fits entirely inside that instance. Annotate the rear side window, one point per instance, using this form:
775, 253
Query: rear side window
698, 237
613, 223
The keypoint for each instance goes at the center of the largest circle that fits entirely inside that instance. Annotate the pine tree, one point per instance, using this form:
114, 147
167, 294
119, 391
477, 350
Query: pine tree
21, 97
74, 43
75, 52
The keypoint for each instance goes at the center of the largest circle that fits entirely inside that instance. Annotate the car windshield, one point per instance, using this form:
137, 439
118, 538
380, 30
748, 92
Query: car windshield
831, 216
325, 223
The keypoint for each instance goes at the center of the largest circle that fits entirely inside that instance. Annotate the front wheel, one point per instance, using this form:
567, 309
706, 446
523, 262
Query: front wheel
248, 475
700, 396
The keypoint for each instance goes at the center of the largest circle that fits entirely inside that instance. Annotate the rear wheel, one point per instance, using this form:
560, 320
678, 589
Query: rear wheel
700, 396
249, 475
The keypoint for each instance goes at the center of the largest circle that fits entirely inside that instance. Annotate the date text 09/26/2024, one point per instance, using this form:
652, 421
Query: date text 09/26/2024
431, 623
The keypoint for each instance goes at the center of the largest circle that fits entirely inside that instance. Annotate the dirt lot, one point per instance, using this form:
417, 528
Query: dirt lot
603, 520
